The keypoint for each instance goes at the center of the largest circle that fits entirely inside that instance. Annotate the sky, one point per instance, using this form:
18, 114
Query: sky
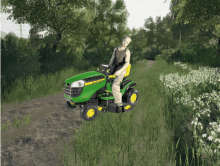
139, 11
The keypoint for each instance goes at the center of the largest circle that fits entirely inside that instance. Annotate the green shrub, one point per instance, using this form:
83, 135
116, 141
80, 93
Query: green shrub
193, 54
166, 53
151, 54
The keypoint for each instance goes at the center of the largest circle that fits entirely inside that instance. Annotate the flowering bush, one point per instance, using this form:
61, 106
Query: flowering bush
199, 90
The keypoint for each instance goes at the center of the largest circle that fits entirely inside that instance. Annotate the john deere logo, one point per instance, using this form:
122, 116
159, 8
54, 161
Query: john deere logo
85, 96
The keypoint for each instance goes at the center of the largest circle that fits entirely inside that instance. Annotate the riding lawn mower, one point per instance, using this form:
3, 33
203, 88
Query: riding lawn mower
92, 91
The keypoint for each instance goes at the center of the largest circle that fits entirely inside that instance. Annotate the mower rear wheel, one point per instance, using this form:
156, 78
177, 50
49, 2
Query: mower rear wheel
70, 104
89, 113
133, 96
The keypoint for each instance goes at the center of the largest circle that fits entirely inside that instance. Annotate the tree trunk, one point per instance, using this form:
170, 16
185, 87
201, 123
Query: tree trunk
58, 38
219, 46
180, 35
104, 44
97, 49
108, 42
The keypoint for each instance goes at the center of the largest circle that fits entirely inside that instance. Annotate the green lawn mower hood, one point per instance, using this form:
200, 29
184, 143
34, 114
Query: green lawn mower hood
80, 88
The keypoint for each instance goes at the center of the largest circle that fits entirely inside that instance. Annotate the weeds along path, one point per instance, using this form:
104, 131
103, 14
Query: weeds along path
40, 143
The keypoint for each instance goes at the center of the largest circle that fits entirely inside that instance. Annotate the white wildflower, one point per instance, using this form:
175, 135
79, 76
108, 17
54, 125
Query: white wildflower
216, 140
214, 123
210, 138
204, 135
195, 123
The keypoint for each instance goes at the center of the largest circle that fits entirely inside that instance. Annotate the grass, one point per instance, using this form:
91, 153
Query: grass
139, 137
147, 135
17, 122
40, 86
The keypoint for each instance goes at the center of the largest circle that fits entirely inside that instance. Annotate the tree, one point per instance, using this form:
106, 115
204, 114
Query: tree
167, 25
57, 17
9, 56
180, 30
34, 39
156, 34
109, 23
22, 46
197, 12
150, 34
160, 33
138, 41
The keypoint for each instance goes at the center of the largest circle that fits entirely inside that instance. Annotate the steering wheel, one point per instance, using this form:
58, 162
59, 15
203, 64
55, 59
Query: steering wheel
105, 67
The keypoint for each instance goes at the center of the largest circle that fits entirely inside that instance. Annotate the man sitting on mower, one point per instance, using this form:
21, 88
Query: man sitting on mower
120, 61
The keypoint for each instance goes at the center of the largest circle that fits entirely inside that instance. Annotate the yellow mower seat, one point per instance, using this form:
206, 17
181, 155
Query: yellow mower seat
127, 72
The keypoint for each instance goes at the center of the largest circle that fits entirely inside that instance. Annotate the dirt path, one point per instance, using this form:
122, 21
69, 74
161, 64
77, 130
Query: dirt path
41, 142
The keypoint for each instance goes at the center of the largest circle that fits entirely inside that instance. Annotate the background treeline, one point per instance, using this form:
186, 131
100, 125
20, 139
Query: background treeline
83, 34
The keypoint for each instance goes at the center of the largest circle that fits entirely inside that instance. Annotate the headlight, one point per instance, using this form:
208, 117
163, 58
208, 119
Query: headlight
77, 84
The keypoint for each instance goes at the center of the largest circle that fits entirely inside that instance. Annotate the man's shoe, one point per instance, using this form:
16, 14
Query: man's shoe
119, 109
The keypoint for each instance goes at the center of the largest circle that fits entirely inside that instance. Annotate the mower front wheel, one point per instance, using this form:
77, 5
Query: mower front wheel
89, 112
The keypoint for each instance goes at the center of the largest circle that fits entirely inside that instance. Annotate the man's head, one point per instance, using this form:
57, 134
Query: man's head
125, 41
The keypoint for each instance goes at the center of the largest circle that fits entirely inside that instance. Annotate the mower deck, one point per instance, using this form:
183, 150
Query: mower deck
127, 107
108, 100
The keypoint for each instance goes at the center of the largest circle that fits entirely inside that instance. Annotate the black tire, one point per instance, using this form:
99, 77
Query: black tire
132, 96
89, 112
69, 105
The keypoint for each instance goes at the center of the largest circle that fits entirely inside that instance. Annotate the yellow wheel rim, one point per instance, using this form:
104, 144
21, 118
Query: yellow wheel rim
133, 98
90, 112
71, 103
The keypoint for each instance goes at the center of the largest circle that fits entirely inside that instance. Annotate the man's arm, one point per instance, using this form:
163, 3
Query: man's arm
113, 57
127, 60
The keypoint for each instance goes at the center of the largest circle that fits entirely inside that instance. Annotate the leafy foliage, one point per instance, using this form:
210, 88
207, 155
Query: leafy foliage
138, 43
197, 11
107, 24
56, 17
194, 54
204, 14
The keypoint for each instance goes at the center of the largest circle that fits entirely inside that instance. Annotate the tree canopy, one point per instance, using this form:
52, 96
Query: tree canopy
109, 22
61, 17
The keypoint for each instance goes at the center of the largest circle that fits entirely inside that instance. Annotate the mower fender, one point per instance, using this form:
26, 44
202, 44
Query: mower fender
132, 84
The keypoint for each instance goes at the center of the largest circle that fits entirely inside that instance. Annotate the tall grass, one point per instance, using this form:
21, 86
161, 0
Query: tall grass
139, 137
150, 134
34, 87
